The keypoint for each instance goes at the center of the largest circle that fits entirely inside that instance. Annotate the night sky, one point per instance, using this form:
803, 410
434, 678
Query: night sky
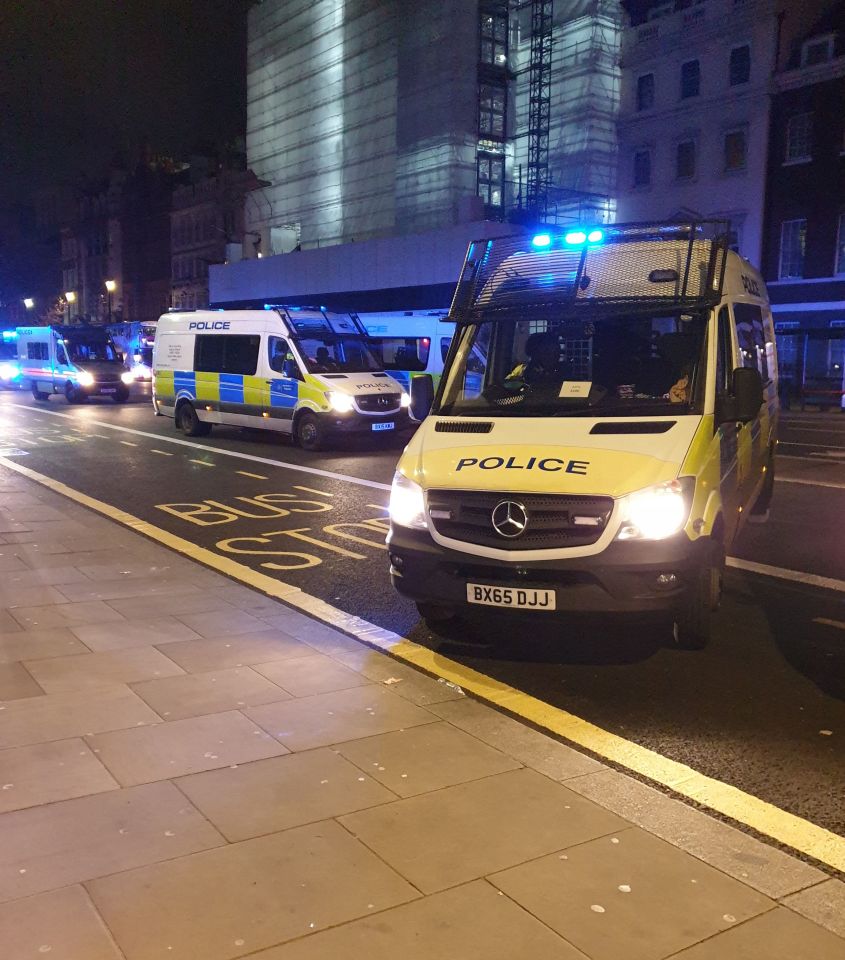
82, 81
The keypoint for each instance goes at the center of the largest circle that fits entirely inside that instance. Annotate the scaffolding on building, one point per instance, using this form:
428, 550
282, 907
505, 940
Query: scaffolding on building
540, 105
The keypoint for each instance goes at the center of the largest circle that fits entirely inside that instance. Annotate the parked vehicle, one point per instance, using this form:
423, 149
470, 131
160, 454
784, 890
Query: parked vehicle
622, 430
78, 361
135, 342
408, 343
10, 371
306, 373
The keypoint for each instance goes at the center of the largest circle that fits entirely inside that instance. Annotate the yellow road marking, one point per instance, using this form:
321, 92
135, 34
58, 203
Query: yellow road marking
312, 490
127, 443
830, 623
202, 463
162, 453
765, 818
246, 473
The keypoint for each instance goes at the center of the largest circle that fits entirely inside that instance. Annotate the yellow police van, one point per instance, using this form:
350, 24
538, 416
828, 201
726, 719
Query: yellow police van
621, 431
306, 373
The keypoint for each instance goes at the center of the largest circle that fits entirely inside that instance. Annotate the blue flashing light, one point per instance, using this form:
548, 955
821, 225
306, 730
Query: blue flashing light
10, 335
268, 306
576, 237
595, 236
542, 240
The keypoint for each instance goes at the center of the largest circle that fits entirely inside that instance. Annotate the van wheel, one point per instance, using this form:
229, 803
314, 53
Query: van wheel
72, 395
694, 620
39, 394
432, 613
122, 395
189, 423
310, 433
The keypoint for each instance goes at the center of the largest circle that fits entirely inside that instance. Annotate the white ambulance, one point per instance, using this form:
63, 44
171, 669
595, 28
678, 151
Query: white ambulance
303, 372
621, 432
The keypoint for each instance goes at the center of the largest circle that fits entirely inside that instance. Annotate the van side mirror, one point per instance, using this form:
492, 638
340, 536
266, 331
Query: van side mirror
746, 397
422, 396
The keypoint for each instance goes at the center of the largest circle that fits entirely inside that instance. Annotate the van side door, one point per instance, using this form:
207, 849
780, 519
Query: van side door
754, 437
728, 433
282, 380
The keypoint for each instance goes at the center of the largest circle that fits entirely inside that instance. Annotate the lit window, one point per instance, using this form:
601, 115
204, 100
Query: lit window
645, 92
690, 79
491, 180
642, 168
685, 160
799, 137
735, 149
494, 37
840, 246
793, 236
491, 111
739, 70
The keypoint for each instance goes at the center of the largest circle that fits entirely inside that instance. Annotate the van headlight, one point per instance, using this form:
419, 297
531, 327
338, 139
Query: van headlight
407, 503
405, 400
340, 402
8, 371
85, 379
127, 377
657, 512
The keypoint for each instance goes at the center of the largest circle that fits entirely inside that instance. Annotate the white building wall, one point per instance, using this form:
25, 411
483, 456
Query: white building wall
707, 32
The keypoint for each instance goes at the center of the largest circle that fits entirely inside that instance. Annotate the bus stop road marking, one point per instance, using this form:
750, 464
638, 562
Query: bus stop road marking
255, 476
744, 808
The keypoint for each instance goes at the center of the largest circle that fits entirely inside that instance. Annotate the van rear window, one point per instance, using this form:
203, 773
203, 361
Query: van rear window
226, 353
37, 351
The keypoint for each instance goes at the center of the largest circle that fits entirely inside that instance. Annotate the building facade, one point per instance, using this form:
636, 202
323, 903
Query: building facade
804, 243
379, 120
694, 116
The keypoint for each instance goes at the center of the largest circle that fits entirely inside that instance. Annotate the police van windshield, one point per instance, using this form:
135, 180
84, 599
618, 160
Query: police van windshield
607, 365
333, 353
84, 351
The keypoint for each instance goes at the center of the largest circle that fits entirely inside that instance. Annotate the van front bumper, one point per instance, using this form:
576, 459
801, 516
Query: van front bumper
629, 576
359, 424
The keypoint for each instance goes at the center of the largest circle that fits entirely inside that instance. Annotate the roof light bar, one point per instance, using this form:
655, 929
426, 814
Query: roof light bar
542, 240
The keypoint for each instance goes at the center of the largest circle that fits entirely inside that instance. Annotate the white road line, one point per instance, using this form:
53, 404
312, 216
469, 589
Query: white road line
311, 490
202, 463
162, 453
827, 446
781, 573
810, 459
219, 451
811, 483
128, 443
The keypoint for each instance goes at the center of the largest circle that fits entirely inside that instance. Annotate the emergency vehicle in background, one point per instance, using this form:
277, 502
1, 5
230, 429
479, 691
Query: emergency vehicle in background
77, 361
410, 342
621, 432
135, 341
303, 372
10, 371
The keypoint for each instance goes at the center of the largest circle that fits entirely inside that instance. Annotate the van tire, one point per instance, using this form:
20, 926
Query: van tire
39, 394
72, 395
189, 423
694, 620
432, 613
310, 434
122, 395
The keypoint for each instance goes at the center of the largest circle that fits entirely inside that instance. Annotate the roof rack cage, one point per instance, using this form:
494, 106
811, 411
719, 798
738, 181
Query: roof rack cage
636, 265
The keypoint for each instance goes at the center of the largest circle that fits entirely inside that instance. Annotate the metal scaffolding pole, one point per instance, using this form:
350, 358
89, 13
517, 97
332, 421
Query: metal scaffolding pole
539, 107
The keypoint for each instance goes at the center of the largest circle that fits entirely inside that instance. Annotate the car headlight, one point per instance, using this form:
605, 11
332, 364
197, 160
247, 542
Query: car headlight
127, 377
405, 401
340, 402
407, 503
8, 371
657, 512
85, 379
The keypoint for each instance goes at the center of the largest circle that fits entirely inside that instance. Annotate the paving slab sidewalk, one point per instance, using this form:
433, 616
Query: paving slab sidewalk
192, 771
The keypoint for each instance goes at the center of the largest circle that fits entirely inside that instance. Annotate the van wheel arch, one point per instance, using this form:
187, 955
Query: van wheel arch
186, 419
315, 434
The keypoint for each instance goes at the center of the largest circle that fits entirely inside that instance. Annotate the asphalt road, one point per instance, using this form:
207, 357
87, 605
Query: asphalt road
762, 708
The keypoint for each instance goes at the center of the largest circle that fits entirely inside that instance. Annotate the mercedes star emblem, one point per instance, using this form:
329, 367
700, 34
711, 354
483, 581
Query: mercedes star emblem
509, 518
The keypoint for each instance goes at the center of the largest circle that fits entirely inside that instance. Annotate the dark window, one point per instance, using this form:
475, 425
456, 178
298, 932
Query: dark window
491, 111
402, 353
799, 137
221, 353
724, 355
645, 92
494, 37
751, 337
445, 343
793, 237
739, 70
735, 150
690, 79
37, 351
642, 168
491, 179
685, 160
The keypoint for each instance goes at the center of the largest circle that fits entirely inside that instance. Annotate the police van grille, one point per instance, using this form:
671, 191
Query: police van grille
467, 516
377, 402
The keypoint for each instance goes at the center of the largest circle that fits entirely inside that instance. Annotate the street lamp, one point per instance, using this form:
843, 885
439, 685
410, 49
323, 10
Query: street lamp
28, 302
70, 297
111, 286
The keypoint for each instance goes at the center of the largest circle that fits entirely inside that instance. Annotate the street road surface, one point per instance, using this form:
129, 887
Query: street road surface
763, 708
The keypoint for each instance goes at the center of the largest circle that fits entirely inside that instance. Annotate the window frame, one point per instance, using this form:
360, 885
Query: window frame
734, 50
682, 143
641, 152
791, 276
490, 113
642, 107
495, 15
687, 63
490, 183
827, 40
790, 138
743, 131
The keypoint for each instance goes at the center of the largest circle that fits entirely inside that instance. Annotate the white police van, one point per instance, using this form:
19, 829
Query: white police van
303, 372
77, 361
620, 434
